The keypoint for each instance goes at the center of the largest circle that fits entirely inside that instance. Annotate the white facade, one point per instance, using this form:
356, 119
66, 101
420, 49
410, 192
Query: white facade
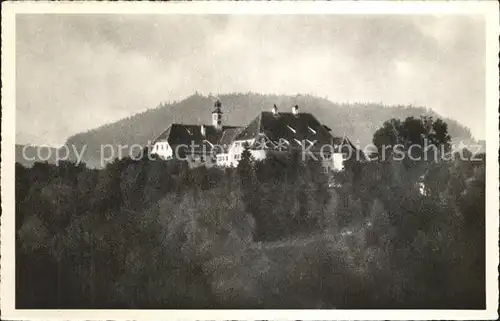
333, 162
338, 161
258, 155
233, 158
223, 160
233, 155
162, 149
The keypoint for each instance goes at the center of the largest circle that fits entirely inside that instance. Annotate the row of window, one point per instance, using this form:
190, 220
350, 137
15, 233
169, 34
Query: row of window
161, 147
221, 158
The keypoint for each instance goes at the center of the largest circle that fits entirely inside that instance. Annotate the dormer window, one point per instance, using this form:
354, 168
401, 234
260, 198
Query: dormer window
209, 143
311, 130
310, 142
292, 129
189, 132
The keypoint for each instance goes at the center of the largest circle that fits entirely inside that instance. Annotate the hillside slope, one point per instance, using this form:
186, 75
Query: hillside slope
356, 120
27, 155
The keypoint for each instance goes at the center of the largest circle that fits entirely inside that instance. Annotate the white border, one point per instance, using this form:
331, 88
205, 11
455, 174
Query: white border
489, 9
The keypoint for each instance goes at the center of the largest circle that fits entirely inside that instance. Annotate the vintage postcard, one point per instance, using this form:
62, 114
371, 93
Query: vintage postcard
250, 160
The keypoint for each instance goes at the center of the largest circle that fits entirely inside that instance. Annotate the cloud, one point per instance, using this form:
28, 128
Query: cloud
76, 72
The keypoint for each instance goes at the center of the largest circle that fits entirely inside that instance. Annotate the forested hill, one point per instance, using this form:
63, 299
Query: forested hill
358, 121
27, 155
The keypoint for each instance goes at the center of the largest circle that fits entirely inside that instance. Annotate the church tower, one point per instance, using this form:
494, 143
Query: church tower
217, 115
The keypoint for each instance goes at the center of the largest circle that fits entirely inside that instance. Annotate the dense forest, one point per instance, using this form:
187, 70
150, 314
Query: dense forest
358, 121
280, 233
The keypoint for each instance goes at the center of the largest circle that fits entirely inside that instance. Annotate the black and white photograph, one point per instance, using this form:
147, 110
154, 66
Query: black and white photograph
291, 158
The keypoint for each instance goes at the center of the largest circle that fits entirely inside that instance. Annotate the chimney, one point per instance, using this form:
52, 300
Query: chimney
295, 109
275, 110
203, 130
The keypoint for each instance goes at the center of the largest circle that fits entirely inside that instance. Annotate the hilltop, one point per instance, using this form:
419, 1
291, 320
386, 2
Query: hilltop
358, 121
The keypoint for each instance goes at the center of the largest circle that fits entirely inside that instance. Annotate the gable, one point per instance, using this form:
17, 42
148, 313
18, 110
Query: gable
229, 135
251, 130
163, 136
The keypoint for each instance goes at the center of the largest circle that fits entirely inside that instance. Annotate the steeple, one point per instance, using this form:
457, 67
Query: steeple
217, 115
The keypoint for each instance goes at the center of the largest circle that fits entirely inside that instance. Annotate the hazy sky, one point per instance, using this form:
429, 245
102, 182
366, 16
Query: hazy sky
77, 72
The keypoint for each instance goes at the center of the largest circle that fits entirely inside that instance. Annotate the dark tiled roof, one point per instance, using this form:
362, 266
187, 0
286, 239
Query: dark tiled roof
182, 134
229, 135
290, 127
295, 129
163, 136
251, 130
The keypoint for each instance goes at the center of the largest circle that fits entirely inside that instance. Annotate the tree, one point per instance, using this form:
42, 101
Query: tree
156, 234
245, 167
413, 137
